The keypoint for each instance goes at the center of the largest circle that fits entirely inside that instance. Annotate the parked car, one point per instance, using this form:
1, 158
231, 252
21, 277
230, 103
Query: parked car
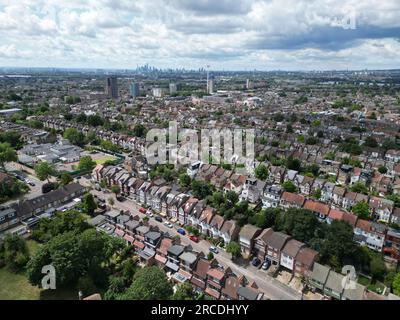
266, 264
255, 262
30, 182
181, 231
194, 238
120, 198
158, 218
142, 210
214, 249
168, 224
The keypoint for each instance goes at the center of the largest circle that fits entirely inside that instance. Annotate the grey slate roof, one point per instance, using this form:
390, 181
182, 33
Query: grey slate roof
319, 273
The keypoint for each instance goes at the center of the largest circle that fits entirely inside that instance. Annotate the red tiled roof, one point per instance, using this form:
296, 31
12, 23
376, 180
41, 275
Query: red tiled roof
119, 232
364, 225
202, 268
138, 244
161, 259
293, 198
213, 293
316, 207
216, 273
128, 238
336, 214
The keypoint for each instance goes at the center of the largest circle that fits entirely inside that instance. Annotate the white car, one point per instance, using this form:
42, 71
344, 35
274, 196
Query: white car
168, 224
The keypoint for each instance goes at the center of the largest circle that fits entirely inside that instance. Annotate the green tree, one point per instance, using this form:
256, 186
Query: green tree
265, 218
139, 130
311, 140
289, 186
261, 172
15, 252
201, 189
184, 292
396, 284
86, 163
92, 138
210, 256
74, 136
362, 210
359, 187
115, 189
95, 120
108, 145
7, 154
62, 222
371, 142
81, 118
44, 170
317, 193
89, 204
382, 169
184, 180
149, 283
116, 288
11, 137
66, 178
301, 224
377, 267
293, 164
338, 244
234, 249
74, 255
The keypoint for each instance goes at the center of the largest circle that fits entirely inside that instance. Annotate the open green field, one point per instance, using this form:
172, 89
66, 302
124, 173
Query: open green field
101, 160
16, 287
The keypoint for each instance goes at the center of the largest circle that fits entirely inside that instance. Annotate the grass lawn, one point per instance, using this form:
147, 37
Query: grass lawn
16, 287
32, 246
377, 287
104, 159
364, 280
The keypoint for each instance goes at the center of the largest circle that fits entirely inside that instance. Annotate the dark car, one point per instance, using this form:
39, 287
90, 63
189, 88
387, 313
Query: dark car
255, 262
266, 264
158, 218
213, 249
181, 231
120, 198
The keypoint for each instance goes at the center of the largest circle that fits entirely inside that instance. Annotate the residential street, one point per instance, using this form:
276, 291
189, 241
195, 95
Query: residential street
35, 190
272, 288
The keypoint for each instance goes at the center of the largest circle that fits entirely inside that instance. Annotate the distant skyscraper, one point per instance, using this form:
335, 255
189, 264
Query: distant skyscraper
157, 92
210, 84
173, 88
249, 84
134, 89
112, 87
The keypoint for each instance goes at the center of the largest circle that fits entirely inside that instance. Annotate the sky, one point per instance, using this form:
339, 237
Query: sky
224, 34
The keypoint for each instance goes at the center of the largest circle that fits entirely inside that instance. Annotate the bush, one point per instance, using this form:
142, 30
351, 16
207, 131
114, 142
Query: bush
47, 187
86, 285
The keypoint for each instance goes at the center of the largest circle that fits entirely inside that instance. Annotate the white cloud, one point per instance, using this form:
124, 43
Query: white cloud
262, 34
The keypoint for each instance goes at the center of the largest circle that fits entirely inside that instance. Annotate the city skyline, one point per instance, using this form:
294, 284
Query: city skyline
255, 34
